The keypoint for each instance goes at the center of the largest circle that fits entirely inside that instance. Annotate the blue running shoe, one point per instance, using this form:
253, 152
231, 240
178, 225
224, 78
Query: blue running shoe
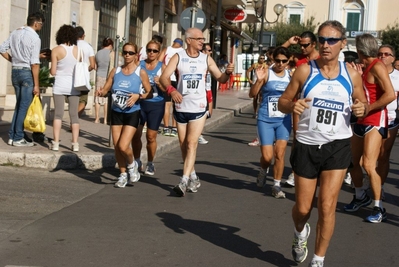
356, 204
378, 215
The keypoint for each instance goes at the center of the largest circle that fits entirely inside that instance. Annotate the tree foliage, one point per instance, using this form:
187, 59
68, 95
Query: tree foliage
391, 36
285, 30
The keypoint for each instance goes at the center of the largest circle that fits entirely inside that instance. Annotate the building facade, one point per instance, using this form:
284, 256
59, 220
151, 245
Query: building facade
138, 20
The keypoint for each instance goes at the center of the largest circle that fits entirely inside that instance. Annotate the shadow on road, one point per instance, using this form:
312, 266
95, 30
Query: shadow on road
224, 236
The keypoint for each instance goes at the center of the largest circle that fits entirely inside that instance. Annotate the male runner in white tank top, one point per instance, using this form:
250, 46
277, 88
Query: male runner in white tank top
190, 99
322, 152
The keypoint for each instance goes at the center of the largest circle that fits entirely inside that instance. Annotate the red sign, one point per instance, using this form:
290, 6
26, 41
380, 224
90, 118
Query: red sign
235, 14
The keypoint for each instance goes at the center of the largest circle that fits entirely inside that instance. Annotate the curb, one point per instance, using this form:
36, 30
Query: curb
94, 161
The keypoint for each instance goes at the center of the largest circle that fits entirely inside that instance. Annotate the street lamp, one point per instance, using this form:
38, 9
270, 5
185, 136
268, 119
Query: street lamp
260, 12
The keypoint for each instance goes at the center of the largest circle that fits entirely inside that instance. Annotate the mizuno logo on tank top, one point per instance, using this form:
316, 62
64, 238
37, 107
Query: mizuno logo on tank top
328, 104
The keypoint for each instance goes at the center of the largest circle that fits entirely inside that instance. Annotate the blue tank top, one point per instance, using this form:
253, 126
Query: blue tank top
122, 86
156, 92
271, 92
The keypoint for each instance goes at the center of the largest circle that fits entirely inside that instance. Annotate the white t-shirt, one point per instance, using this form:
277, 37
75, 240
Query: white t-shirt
87, 50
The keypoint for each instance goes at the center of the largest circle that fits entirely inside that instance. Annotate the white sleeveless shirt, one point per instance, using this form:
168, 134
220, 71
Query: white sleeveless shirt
327, 119
63, 84
192, 82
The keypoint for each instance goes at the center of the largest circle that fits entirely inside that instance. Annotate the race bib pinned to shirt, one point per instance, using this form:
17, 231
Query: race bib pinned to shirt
326, 116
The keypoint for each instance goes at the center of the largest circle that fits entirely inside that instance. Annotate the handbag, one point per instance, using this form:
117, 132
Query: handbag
34, 120
81, 76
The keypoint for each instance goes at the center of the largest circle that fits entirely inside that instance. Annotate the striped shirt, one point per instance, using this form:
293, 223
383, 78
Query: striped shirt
25, 47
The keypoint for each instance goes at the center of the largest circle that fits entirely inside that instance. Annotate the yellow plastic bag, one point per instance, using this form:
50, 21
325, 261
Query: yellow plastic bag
34, 120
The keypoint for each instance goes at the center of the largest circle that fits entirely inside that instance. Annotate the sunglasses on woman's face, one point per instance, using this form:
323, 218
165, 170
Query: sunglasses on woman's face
131, 53
280, 61
152, 51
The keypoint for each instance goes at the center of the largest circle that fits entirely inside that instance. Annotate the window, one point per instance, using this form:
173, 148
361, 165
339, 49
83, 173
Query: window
295, 12
136, 21
295, 19
353, 13
108, 20
353, 22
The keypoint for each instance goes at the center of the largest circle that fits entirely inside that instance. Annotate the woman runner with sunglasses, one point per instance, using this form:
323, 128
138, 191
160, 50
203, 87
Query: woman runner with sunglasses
126, 83
152, 108
328, 93
273, 126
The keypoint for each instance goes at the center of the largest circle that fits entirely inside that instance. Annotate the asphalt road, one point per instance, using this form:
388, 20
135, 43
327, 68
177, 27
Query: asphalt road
77, 218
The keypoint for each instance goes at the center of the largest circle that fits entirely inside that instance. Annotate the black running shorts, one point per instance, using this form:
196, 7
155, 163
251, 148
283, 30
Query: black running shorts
309, 161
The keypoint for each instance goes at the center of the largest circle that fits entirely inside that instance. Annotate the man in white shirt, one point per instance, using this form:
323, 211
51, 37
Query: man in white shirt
24, 45
89, 58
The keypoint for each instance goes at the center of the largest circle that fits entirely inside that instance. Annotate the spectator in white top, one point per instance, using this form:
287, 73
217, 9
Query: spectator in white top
89, 58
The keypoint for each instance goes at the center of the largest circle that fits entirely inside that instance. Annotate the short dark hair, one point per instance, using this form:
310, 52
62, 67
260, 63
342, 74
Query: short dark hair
204, 45
310, 35
80, 31
157, 38
66, 34
32, 18
281, 50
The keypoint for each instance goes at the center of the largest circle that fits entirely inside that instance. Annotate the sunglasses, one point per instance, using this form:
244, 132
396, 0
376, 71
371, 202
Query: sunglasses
262, 58
385, 54
278, 61
330, 41
128, 52
304, 45
152, 50
210, 50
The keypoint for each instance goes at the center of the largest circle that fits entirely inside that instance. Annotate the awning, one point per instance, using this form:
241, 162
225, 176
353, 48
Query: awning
235, 30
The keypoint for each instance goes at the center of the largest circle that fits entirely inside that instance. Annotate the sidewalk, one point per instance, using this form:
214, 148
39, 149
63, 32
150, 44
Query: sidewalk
94, 151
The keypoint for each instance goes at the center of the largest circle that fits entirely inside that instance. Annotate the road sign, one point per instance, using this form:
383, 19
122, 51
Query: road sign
235, 14
193, 17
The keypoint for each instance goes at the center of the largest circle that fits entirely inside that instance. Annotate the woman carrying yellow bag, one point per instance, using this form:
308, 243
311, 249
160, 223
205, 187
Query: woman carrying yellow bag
34, 120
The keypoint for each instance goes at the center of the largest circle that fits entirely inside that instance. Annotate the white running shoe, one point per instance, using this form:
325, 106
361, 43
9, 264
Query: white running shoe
348, 179
290, 180
122, 181
202, 140
134, 173
255, 142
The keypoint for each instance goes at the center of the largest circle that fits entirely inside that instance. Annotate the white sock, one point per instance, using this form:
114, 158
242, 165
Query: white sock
131, 165
303, 234
378, 203
359, 191
193, 175
318, 258
276, 182
184, 179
